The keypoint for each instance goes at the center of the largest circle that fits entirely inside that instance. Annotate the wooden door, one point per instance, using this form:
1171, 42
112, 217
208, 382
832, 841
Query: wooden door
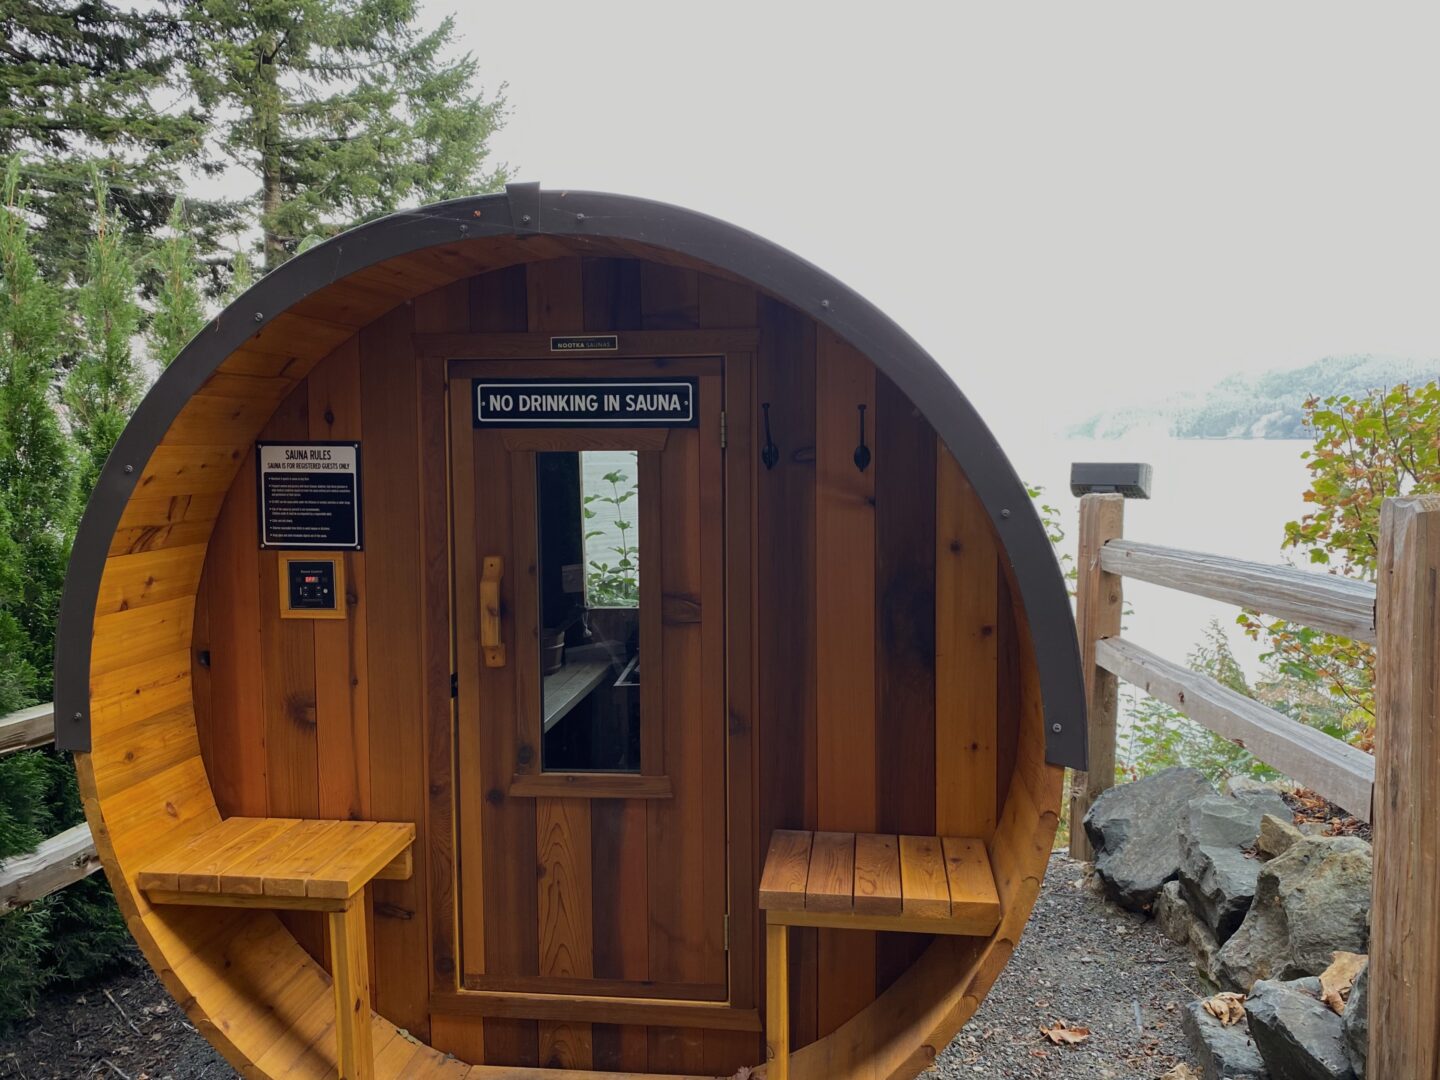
591, 740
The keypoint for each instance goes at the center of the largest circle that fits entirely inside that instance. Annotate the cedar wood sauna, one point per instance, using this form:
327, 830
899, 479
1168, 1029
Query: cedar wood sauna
846, 627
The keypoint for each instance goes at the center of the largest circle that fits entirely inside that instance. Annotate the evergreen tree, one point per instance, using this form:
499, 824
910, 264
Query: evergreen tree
342, 108
179, 311
85, 82
104, 386
36, 489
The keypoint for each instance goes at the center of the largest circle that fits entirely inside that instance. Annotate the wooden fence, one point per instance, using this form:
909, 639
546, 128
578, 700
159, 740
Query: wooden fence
58, 861
1397, 790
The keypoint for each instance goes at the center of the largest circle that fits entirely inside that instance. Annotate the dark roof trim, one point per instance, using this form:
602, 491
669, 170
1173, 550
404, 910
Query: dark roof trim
527, 209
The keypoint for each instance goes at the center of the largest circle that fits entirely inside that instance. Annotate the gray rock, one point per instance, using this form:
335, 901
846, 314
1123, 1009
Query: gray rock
1356, 1021
1217, 870
1309, 903
1299, 1038
1224, 1053
1243, 785
1132, 828
1277, 835
1181, 925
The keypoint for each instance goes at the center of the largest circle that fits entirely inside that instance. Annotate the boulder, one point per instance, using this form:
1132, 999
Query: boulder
1132, 828
1218, 869
1240, 786
1277, 835
1299, 1038
1356, 1021
1224, 1053
1309, 903
1184, 927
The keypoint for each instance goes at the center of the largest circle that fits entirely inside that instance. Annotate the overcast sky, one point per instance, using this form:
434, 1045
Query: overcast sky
1061, 201
1064, 202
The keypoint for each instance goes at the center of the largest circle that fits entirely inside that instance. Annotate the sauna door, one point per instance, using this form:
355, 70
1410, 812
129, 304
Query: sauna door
589, 600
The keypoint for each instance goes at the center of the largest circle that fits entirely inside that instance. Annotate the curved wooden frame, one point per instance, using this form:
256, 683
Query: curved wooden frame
128, 618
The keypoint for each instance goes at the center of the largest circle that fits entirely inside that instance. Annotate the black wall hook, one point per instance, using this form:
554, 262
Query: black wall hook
771, 453
862, 452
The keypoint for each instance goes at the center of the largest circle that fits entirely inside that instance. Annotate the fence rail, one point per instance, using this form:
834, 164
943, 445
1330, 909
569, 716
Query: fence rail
59, 861
27, 729
1326, 602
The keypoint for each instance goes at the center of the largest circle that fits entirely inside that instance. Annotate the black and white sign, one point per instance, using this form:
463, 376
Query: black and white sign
309, 495
521, 403
585, 343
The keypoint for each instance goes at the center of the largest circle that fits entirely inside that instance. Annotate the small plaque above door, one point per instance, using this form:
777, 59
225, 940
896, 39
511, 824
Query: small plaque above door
571, 403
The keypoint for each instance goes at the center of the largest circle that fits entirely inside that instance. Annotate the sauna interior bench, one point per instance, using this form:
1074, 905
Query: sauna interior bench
863, 881
286, 864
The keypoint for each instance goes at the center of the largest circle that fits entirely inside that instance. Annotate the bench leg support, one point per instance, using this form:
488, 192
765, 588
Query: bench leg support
777, 1000
355, 1051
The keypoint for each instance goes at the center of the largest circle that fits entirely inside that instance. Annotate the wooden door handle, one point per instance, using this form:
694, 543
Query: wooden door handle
491, 643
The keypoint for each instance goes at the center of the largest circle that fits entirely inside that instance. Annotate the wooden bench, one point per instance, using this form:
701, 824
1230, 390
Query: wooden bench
285, 864
850, 881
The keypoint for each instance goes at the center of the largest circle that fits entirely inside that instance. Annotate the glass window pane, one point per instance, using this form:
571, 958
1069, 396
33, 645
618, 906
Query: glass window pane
588, 529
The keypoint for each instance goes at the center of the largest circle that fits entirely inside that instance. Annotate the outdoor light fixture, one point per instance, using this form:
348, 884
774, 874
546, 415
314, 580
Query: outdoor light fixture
1129, 478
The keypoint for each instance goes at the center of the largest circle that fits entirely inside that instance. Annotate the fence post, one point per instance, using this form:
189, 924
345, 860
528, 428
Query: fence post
1404, 948
1098, 601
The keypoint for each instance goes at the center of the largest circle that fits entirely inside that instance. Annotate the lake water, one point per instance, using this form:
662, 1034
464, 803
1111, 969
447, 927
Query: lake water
1223, 496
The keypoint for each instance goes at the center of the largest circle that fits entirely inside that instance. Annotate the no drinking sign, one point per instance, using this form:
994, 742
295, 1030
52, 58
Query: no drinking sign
516, 403
309, 495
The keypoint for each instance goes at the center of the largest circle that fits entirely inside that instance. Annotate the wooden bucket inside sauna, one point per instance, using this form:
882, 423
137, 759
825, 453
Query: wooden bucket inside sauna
885, 648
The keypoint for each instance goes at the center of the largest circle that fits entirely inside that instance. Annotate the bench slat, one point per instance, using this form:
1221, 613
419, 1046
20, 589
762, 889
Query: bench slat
922, 877
972, 882
787, 867
877, 875
831, 884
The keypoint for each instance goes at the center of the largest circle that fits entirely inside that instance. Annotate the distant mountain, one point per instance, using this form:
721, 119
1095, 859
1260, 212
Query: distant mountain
1264, 406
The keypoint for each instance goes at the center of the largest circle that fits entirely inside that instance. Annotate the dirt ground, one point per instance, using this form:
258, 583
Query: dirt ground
1082, 963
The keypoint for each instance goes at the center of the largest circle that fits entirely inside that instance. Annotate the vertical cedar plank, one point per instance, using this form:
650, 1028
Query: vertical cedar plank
845, 632
287, 649
669, 297
611, 290
905, 469
677, 861
397, 763
1010, 681
200, 670
555, 303
967, 643
341, 710
620, 912
237, 766
507, 917
1404, 950
564, 907
443, 310
785, 621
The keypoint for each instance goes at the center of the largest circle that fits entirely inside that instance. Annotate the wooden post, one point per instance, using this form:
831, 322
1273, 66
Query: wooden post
777, 1000
355, 1055
1098, 601
1404, 946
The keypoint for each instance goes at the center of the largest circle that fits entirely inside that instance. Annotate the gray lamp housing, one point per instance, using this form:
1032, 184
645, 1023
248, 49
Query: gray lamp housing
1128, 478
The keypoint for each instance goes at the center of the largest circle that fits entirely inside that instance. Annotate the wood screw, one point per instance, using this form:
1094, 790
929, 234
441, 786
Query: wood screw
129, 468
259, 316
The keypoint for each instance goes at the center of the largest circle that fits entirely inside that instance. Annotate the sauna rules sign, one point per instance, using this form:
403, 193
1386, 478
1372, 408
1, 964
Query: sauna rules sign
579, 403
309, 495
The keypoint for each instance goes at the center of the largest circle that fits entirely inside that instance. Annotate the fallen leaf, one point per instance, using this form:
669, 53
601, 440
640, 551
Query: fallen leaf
1181, 1072
1228, 1008
1337, 979
1061, 1034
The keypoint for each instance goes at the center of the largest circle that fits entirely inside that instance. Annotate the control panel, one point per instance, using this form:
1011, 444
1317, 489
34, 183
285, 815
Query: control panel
312, 586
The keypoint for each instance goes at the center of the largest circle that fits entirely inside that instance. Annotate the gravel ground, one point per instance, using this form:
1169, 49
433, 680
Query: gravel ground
1082, 962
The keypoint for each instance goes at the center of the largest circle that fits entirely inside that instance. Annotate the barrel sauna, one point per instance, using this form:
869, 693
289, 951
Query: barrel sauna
383, 548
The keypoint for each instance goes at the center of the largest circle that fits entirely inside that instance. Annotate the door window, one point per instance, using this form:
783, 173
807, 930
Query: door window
588, 534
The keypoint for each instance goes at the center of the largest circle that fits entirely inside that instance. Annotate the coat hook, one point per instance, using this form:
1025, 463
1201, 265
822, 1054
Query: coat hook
771, 453
862, 452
